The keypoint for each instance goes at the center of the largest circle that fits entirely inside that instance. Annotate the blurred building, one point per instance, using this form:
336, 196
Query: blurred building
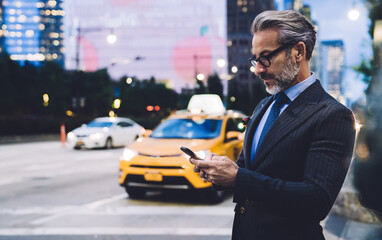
240, 15
52, 30
315, 61
1, 24
33, 30
333, 67
173, 41
282, 5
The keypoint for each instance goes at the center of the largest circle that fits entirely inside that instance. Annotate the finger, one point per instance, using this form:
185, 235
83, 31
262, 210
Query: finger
202, 175
221, 158
196, 169
208, 156
193, 161
203, 164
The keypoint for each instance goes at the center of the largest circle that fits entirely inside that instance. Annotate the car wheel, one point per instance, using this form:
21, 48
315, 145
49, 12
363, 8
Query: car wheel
135, 193
215, 196
109, 143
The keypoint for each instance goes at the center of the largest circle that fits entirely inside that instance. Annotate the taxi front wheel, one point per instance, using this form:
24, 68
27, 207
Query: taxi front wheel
135, 193
215, 196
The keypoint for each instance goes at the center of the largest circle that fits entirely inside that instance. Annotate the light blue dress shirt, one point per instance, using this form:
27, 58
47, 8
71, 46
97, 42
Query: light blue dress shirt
292, 94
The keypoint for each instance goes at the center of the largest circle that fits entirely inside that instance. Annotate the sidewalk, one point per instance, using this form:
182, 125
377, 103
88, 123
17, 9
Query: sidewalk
338, 227
348, 219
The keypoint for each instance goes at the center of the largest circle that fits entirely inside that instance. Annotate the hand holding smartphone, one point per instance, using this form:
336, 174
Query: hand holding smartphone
190, 153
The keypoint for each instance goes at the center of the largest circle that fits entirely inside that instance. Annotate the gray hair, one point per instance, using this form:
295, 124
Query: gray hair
293, 27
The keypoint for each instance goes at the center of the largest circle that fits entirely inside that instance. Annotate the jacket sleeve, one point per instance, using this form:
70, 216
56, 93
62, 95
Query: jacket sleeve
240, 160
327, 162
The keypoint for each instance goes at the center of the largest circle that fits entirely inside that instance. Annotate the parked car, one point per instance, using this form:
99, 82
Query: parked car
155, 162
105, 132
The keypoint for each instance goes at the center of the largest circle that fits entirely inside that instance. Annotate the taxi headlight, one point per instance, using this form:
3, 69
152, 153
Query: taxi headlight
71, 135
128, 154
96, 136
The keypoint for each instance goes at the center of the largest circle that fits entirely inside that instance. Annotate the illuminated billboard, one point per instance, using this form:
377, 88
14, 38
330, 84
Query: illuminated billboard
171, 40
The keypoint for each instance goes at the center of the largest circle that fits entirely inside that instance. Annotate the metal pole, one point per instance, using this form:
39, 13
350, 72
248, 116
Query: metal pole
77, 71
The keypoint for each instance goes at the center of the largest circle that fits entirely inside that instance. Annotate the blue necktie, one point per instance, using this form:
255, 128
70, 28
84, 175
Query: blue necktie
280, 99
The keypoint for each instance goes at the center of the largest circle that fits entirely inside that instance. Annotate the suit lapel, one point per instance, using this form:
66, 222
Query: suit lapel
251, 127
301, 109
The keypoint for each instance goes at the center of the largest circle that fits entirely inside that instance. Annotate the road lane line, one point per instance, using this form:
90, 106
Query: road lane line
116, 231
89, 209
101, 202
75, 209
132, 210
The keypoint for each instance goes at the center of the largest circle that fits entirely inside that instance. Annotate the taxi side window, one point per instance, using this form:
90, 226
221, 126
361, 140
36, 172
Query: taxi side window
231, 125
239, 124
235, 124
124, 124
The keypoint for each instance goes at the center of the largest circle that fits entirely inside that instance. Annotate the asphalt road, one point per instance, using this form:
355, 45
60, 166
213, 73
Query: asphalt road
51, 192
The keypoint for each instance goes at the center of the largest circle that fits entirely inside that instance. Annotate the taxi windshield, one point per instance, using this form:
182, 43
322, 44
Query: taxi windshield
188, 128
97, 124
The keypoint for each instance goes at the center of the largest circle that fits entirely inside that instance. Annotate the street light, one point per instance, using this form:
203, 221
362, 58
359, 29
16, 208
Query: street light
200, 77
221, 63
111, 39
353, 13
129, 80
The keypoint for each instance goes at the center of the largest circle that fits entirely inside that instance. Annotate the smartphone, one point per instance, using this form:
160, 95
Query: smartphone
190, 153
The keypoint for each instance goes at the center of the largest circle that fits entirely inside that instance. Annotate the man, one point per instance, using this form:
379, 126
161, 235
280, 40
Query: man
298, 143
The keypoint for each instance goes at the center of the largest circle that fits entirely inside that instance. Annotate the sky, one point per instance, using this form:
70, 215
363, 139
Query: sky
334, 24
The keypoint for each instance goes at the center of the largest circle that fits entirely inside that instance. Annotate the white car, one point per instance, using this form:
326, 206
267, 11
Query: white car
105, 132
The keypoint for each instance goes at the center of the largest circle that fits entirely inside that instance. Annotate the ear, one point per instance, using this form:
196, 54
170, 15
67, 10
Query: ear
299, 51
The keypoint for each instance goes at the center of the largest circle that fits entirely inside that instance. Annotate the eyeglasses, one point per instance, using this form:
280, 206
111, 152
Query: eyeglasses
265, 60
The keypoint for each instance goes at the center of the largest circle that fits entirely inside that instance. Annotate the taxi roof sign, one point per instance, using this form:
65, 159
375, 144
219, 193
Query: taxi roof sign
206, 103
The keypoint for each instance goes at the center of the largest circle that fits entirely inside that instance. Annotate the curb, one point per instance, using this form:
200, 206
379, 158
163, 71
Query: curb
348, 205
29, 138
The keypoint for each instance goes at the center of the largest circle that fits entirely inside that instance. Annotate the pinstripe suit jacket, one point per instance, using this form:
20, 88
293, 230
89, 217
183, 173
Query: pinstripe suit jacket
298, 170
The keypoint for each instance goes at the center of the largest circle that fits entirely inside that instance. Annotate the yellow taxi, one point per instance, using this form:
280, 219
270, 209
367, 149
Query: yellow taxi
155, 161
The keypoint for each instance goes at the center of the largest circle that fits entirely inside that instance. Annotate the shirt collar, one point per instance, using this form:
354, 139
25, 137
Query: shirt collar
297, 89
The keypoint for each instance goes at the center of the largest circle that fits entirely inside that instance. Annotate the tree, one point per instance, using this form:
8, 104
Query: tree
11, 89
137, 95
52, 80
368, 67
199, 87
215, 85
243, 98
233, 94
97, 90
368, 151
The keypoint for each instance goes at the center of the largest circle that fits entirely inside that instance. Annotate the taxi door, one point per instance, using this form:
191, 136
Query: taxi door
125, 133
231, 147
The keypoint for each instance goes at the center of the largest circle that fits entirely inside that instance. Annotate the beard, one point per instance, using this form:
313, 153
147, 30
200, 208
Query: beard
284, 79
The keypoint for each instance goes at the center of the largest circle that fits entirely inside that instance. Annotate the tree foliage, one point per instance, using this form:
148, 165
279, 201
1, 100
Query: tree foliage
368, 150
244, 98
215, 85
375, 13
77, 96
136, 96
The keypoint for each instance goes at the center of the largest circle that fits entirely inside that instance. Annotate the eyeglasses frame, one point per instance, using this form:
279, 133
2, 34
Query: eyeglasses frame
268, 56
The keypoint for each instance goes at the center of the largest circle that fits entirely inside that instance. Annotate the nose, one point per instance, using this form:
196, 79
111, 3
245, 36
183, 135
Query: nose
259, 69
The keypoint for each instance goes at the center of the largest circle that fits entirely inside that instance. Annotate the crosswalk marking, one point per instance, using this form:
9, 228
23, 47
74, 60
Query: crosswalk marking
93, 208
116, 231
